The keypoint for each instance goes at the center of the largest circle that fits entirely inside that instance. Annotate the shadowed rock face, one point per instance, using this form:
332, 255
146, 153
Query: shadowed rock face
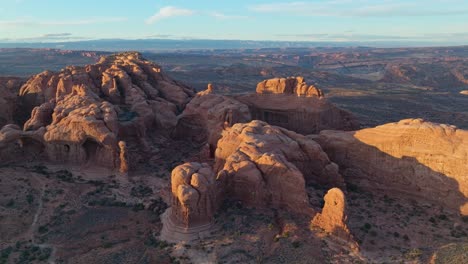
291, 104
9, 87
207, 114
419, 158
86, 110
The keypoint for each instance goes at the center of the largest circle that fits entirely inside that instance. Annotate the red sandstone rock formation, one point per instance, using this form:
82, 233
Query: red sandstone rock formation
86, 110
306, 113
193, 204
123, 157
333, 217
264, 165
419, 158
290, 85
9, 87
205, 117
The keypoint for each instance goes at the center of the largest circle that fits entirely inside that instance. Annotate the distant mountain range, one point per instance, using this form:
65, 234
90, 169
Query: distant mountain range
173, 44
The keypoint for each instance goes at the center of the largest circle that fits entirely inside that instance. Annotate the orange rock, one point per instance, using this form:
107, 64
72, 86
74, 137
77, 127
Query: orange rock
290, 85
264, 165
414, 157
85, 111
333, 217
123, 157
193, 194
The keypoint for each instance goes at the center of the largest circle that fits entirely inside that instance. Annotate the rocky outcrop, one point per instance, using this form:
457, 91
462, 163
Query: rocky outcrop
205, 117
86, 111
9, 87
291, 85
123, 157
24, 145
418, 158
193, 204
268, 166
333, 217
305, 115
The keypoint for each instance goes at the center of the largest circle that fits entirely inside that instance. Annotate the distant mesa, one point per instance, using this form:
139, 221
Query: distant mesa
291, 85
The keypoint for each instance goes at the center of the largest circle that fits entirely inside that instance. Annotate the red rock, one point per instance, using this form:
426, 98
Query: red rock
333, 217
291, 85
413, 157
268, 166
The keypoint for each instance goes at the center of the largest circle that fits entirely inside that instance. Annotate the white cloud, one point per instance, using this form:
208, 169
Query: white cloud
167, 12
363, 8
222, 16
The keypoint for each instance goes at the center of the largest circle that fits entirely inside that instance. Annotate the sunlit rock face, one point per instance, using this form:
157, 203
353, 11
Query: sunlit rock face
264, 165
333, 217
291, 85
86, 111
419, 158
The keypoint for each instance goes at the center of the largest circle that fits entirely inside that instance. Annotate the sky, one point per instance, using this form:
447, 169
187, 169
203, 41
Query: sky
441, 21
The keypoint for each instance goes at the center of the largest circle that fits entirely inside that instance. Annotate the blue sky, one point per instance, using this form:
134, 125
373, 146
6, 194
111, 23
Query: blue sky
318, 20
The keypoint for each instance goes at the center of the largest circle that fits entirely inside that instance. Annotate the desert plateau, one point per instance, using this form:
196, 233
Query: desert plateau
284, 147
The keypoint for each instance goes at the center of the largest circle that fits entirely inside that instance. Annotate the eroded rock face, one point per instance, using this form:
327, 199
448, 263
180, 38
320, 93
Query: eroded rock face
264, 165
85, 111
291, 104
333, 217
419, 158
28, 145
194, 194
291, 85
9, 87
205, 117
194, 201
123, 157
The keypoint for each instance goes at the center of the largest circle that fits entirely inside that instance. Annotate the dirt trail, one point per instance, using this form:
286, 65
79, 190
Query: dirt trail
33, 229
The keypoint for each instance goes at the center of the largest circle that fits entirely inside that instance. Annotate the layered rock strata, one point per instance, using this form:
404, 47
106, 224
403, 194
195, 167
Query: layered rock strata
279, 103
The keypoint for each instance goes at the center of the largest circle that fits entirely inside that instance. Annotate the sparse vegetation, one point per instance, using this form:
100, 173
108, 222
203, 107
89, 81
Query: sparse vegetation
141, 191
